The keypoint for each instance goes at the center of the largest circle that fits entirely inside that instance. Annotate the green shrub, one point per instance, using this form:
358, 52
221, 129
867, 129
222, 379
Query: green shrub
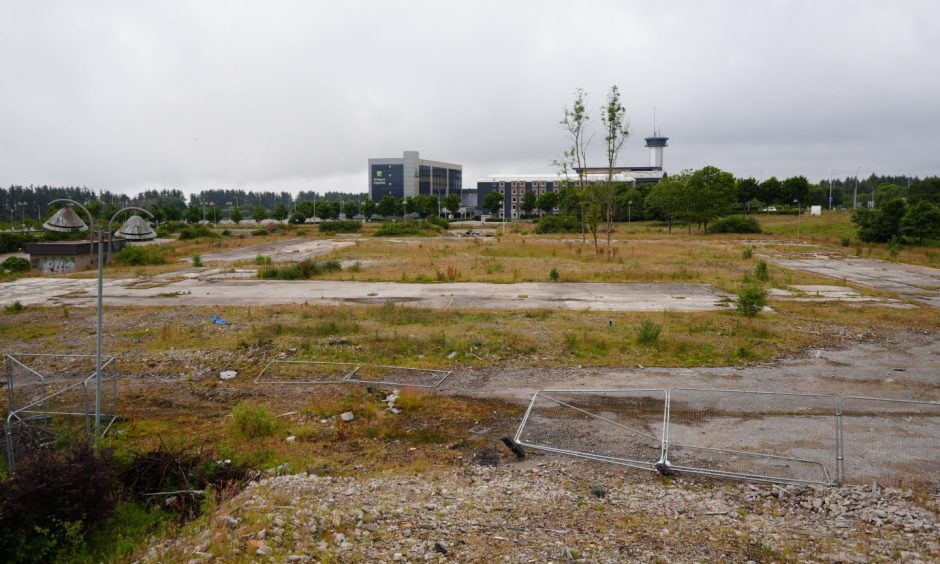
553, 275
300, 271
347, 226
167, 228
262, 260
407, 228
260, 233
195, 232
735, 224
748, 253
15, 264
253, 421
46, 507
647, 332
197, 260
138, 255
558, 224
751, 300
761, 272
845, 241
226, 232
15, 307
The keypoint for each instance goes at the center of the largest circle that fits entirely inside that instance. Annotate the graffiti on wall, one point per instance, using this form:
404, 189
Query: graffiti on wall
53, 265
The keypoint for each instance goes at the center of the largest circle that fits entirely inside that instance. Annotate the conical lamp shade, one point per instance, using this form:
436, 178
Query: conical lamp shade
136, 228
65, 220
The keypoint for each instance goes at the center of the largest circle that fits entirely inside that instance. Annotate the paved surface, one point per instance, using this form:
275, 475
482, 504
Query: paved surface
192, 291
290, 250
919, 283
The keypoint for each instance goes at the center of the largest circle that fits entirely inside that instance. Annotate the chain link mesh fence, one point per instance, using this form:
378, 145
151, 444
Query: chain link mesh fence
780, 437
891, 441
619, 426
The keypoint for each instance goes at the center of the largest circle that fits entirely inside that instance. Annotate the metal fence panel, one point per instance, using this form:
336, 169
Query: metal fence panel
315, 372
779, 437
619, 426
399, 376
889, 440
305, 372
49, 394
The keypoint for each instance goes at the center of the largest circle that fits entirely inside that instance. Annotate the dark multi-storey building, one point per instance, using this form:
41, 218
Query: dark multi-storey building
411, 176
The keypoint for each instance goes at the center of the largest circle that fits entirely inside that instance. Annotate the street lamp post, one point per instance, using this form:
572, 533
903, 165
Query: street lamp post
799, 212
855, 194
67, 220
830, 186
629, 211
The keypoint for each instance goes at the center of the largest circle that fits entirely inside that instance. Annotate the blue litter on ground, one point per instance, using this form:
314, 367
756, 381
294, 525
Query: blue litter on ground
218, 320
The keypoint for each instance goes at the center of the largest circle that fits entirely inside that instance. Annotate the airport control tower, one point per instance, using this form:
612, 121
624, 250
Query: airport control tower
656, 144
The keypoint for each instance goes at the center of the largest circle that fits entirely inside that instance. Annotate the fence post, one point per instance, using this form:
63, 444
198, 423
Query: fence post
839, 453
11, 457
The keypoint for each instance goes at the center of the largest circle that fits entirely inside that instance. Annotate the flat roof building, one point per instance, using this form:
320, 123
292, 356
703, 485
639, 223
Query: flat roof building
411, 176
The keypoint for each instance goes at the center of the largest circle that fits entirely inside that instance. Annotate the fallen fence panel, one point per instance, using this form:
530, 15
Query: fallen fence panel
399, 376
305, 372
317, 372
891, 441
769, 436
618, 426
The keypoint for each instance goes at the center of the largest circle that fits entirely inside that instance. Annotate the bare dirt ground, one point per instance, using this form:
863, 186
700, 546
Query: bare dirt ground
918, 283
181, 288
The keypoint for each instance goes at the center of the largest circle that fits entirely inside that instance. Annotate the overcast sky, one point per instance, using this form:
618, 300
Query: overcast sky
298, 95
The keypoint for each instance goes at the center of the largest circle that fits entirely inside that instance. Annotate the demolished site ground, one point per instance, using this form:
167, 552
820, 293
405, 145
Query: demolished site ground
433, 481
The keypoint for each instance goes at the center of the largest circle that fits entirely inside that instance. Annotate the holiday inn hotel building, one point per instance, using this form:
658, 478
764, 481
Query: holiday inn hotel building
410, 176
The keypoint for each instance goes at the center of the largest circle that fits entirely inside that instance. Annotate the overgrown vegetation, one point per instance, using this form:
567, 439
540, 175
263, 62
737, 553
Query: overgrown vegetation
252, 421
140, 255
751, 300
340, 226
302, 270
408, 228
647, 332
14, 265
196, 232
736, 224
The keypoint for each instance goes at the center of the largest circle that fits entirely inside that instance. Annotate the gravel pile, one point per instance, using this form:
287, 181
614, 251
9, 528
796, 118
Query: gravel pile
559, 510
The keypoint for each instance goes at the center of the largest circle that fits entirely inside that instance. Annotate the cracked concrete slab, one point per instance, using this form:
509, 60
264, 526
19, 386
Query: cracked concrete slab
530, 295
918, 283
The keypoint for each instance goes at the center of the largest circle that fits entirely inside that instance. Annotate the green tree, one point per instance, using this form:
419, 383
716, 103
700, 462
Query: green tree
528, 202
575, 123
280, 212
548, 202
924, 189
771, 192
236, 215
493, 202
796, 188
193, 214
452, 203
746, 190
388, 206
921, 221
709, 194
368, 207
616, 131
882, 224
667, 200
259, 214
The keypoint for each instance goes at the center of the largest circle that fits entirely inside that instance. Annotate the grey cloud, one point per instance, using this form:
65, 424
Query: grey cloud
297, 95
